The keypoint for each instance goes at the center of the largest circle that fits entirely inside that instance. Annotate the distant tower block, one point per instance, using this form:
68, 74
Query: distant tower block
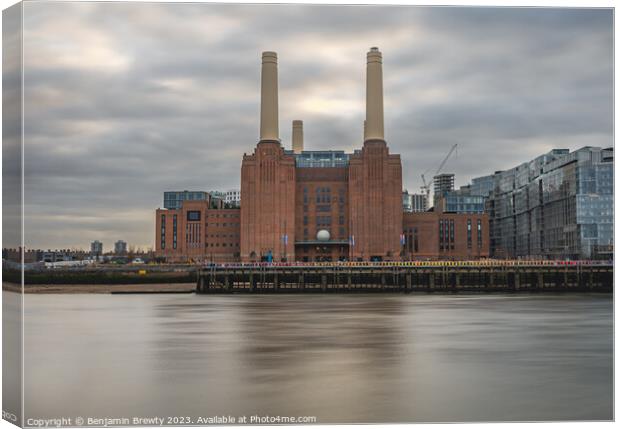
298, 136
269, 98
374, 95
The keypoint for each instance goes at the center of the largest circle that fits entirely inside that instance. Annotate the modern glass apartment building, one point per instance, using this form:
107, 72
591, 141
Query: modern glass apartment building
557, 206
414, 203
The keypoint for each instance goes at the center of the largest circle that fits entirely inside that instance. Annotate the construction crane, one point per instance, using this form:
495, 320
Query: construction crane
426, 187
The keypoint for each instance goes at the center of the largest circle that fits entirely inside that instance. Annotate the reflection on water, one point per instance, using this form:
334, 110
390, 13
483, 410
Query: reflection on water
341, 358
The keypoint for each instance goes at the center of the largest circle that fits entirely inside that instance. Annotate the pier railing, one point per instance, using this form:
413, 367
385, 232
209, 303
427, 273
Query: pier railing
407, 277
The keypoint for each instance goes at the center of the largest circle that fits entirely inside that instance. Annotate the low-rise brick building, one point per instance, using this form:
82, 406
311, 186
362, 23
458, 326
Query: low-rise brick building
198, 231
435, 235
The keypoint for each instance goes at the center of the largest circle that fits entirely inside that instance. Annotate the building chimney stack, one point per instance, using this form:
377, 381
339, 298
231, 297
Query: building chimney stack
269, 98
374, 96
298, 136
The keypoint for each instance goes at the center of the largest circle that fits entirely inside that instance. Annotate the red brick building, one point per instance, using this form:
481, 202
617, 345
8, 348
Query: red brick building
301, 205
353, 199
198, 231
435, 235
322, 203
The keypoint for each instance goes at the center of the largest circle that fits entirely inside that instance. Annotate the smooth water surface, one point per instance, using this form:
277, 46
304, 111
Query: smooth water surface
341, 358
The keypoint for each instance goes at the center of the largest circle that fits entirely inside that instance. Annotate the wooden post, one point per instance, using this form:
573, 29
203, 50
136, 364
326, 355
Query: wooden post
541, 279
201, 283
323, 282
408, 280
431, 279
517, 279
275, 281
252, 285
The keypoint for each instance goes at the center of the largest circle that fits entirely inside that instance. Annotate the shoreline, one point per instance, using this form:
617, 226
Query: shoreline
186, 288
136, 288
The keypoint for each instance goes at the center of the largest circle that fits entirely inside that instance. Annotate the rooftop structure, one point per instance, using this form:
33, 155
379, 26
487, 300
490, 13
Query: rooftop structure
322, 159
174, 199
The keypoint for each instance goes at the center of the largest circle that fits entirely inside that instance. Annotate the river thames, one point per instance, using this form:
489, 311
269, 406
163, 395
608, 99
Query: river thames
338, 358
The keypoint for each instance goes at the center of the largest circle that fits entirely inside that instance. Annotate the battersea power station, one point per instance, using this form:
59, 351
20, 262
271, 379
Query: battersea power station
299, 205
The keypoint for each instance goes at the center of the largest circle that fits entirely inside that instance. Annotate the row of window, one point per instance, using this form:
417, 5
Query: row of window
192, 235
224, 215
411, 240
478, 235
325, 208
162, 241
325, 220
446, 234
174, 231
325, 198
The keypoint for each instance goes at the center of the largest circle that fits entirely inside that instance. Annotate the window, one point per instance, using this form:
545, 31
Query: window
193, 215
323, 208
440, 234
408, 239
174, 231
479, 237
163, 232
452, 234
469, 233
323, 220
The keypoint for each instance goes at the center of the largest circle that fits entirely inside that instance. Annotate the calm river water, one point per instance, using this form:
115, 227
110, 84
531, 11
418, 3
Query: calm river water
340, 358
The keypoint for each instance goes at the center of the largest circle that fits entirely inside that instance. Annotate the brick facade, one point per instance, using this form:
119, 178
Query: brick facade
198, 231
375, 186
322, 203
433, 235
268, 203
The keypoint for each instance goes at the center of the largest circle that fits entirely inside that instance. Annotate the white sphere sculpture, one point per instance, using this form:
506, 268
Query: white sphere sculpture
323, 235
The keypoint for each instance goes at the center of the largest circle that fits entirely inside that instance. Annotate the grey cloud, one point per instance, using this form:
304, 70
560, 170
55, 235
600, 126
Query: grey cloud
166, 96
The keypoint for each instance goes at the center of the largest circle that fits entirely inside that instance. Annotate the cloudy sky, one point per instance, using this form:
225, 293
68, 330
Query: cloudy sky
124, 101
